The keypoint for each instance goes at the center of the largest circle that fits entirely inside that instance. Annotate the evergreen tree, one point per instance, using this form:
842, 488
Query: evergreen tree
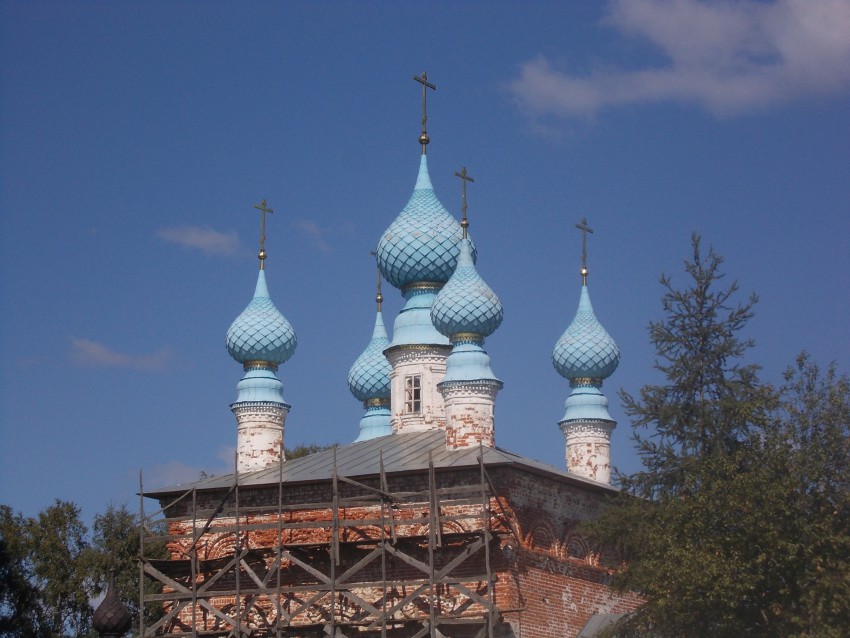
738, 525
711, 398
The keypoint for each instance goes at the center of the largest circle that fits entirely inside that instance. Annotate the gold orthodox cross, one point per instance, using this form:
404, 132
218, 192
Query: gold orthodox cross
584, 228
263, 207
464, 222
423, 80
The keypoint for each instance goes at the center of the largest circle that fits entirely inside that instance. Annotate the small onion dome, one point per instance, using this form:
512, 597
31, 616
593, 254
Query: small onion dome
466, 304
585, 350
369, 377
261, 333
422, 242
111, 618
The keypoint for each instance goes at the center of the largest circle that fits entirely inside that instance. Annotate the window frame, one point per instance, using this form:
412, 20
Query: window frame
413, 394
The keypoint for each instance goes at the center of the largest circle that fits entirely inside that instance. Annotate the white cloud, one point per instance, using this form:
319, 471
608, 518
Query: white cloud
726, 57
315, 231
171, 473
210, 241
91, 353
227, 455
174, 473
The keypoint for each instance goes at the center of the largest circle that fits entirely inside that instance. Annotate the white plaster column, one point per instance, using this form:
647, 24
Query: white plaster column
589, 448
470, 412
259, 434
428, 363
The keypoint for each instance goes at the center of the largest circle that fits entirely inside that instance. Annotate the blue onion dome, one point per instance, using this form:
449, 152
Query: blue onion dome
585, 350
422, 243
369, 377
466, 303
261, 333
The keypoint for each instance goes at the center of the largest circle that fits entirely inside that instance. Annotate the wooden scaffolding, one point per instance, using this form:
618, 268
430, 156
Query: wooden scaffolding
370, 562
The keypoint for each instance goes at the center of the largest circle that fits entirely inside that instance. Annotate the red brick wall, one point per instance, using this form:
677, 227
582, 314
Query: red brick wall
547, 583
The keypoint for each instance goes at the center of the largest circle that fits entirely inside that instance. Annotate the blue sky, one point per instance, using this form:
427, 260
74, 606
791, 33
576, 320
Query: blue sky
135, 139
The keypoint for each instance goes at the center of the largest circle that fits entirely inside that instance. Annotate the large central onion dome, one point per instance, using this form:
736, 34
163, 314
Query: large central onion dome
585, 350
261, 332
466, 304
421, 245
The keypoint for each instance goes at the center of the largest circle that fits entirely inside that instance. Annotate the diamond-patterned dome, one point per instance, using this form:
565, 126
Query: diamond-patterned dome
261, 333
369, 376
111, 618
585, 349
422, 242
466, 303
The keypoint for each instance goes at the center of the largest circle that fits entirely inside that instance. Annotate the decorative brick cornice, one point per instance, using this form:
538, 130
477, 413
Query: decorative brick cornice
601, 429
416, 353
259, 407
482, 388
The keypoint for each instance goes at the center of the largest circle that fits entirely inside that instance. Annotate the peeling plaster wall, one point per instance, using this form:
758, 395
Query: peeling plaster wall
547, 583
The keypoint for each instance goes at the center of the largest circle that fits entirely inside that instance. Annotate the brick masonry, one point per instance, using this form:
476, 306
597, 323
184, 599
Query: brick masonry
546, 580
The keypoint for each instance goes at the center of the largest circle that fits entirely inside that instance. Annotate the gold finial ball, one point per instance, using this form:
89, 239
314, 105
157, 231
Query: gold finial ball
584, 272
464, 223
379, 298
262, 253
424, 139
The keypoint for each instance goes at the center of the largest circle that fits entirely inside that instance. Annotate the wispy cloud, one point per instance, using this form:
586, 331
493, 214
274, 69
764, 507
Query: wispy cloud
174, 473
227, 455
171, 473
203, 238
726, 57
91, 353
316, 232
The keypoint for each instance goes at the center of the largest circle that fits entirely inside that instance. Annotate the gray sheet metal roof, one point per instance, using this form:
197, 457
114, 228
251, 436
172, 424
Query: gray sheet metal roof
401, 453
597, 623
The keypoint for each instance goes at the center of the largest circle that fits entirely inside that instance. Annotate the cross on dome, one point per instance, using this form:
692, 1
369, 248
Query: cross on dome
263, 207
584, 228
379, 298
464, 222
423, 80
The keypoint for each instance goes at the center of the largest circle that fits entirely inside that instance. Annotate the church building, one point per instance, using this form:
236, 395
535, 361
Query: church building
423, 526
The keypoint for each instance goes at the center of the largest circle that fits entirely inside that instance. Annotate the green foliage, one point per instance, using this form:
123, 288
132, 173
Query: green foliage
811, 443
20, 612
711, 399
57, 545
51, 568
305, 450
115, 549
739, 523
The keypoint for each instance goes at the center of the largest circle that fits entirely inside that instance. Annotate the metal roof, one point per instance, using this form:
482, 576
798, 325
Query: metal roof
402, 453
597, 623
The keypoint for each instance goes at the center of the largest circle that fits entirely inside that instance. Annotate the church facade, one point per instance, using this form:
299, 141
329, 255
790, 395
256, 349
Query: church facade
422, 526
